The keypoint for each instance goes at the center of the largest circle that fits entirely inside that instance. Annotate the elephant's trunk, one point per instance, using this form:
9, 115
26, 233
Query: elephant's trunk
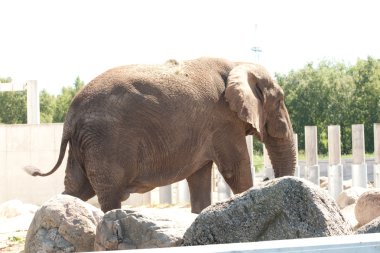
283, 156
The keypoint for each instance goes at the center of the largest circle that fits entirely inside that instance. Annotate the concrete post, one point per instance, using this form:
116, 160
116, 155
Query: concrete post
268, 168
155, 196
359, 166
33, 102
165, 194
311, 155
297, 172
376, 166
249, 140
146, 199
183, 193
335, 171
224, 190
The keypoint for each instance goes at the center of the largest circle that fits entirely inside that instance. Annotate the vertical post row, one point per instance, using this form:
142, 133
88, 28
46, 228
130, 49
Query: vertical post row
249, 140
224, 190
33, 102
311, 153
183, 193
297, 172
268, 168
335, 171
376, 166
165, 194
359, 166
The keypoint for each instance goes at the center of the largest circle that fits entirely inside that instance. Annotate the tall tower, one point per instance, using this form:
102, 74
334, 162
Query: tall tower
256, 49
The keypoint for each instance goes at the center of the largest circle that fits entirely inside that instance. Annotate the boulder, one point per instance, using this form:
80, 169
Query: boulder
371, 227
324, 182
15, 216
349, 196
63, 224
349, 213
14, 208
368, 206
130, 229
284, 208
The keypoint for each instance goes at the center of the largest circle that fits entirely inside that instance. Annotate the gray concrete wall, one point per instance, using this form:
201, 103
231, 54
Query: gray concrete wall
37, 145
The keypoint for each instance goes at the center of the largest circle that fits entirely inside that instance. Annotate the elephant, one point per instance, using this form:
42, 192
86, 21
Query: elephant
137, 127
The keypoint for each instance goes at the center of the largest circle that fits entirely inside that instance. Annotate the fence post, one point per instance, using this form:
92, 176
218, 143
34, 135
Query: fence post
268, 168
376, 166
359, 166
297, 172
335, 171
224, 190
165, 193
33, 102
183, 193
249, 140
147, 200
311, 155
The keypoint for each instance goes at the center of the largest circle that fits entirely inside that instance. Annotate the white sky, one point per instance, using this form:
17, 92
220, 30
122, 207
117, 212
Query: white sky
54, 41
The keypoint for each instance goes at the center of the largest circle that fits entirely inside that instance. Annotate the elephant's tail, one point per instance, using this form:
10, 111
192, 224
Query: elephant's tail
34, 171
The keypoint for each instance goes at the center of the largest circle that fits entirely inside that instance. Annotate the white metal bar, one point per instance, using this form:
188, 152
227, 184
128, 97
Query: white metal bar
364, 243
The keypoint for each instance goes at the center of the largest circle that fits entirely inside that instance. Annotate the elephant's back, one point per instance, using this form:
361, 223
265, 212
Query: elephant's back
171, 86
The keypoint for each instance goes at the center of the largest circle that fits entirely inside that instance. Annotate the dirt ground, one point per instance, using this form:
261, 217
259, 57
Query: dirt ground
12, 241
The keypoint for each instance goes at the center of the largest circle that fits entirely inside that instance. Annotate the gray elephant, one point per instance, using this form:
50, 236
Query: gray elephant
137, 127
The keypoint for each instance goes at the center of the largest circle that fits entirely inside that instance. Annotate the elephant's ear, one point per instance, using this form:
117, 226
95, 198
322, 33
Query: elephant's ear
245, 97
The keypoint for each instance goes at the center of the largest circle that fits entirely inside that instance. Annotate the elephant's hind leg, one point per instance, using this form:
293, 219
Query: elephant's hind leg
108, 186
76, 181
200, 188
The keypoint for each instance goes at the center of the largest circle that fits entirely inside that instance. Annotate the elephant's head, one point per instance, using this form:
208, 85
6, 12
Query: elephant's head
259, 101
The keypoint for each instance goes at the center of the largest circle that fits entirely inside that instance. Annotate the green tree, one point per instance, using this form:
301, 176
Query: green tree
47, 107
64, 100
334, 94
318, 96
365, 101
13, 105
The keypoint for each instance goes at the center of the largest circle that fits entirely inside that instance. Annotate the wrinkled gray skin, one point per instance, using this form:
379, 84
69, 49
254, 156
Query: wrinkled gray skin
137, 127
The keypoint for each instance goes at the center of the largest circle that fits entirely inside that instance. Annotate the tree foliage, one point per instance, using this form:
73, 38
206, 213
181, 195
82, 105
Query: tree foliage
64, 100
13, 105
52, 108
334, 94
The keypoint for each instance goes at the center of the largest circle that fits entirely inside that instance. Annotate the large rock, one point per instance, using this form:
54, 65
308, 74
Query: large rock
349, 213
130, 229
368, 206
371, 227
284, 208
349, 196
63, 224
14, 208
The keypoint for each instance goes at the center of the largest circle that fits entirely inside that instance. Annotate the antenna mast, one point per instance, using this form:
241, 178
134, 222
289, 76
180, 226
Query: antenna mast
256, 49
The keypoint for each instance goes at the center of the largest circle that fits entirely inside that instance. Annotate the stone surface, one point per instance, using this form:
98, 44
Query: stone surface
324, 182
368, 206
146, 228
63, 224
349, 196
349, 213
284, 208
371, 227
14, 208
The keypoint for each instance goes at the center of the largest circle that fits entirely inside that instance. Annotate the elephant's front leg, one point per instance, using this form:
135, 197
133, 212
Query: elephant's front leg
200, 188
233, 163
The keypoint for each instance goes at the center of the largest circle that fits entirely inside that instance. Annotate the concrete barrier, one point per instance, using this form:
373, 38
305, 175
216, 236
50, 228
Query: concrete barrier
37, 145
